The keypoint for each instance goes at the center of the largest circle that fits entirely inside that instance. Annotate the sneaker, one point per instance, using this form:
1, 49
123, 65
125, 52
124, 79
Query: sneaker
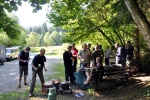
19, 86
26, 84
30, 95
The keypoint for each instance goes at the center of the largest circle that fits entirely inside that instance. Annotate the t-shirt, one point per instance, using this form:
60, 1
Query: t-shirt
108, 53
24, 56
84, 55
38, 59
129, 52
120, 54
75, 52
95, 54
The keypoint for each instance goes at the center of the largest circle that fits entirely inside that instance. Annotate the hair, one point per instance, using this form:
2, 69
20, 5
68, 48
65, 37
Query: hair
99, 59
69, 46
84, 45
27, 48
129, 42
42, 49
116, 44
89, 44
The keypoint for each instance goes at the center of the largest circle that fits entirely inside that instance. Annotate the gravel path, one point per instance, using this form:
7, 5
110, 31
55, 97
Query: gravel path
10, 70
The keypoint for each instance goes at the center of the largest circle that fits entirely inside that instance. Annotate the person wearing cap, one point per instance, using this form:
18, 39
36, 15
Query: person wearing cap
23, 58
68, 58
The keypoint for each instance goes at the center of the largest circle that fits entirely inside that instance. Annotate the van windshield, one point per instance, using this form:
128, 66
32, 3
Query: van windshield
8, 51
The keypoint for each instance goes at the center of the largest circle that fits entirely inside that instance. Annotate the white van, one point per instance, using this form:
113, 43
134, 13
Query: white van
12, 52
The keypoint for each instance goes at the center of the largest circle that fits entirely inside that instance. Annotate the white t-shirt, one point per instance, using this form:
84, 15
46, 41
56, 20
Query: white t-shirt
84, 55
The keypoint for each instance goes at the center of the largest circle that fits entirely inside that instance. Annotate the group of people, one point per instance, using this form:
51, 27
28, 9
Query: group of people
88, 58
37, 67
94, 58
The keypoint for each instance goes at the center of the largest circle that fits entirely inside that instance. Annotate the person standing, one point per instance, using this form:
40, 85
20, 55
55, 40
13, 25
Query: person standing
83, 56
102, 52
120, 55
23, 58
74, 52
37, 68
108, 53
96, 53
67, 57
88, 48
129, 51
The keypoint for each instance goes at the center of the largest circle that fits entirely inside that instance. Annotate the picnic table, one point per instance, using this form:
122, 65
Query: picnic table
113, 72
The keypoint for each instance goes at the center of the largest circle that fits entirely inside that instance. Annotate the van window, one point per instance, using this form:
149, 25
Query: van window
8, 51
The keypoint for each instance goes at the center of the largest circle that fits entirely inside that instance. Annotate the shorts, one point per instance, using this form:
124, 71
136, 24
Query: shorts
23, 69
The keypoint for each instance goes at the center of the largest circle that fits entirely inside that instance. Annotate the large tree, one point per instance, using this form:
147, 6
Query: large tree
139, 18
88, 20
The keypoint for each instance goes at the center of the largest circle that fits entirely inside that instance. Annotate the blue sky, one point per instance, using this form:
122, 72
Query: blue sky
27, 18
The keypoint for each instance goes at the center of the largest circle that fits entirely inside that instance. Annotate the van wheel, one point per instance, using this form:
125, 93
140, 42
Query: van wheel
10, 58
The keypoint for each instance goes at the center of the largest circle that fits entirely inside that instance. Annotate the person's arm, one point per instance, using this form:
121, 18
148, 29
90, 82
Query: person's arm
32, 64
44, 64
44, 67
79, 57
102, 54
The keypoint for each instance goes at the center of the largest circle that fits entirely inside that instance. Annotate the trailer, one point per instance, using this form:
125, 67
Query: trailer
2, 53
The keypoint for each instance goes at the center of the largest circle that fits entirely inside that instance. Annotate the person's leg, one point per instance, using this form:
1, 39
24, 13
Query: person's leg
74, 70
20, 76
33, 82
25, 75
40, 74
70, 71
74, 67
88, 77
66, 73
105, 61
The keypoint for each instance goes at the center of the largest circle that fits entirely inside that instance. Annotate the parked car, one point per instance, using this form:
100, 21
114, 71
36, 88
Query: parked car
2, 54
12, 52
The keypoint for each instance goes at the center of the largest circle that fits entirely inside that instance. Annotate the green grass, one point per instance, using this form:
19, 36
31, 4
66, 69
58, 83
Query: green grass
59, 72
51, 50
14, 95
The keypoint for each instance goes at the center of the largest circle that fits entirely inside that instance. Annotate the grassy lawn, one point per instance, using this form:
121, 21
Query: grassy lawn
50, 50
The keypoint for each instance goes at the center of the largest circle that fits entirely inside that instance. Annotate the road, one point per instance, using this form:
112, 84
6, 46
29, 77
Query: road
9, 73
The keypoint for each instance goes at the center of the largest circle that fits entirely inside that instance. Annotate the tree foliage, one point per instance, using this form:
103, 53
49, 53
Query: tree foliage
87, 20
33, 39
6, 23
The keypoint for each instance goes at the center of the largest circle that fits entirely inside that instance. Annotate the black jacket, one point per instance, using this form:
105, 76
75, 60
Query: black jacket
67, 58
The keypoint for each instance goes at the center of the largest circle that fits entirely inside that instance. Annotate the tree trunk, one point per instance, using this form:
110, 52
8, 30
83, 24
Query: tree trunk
140, 19
137, 51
